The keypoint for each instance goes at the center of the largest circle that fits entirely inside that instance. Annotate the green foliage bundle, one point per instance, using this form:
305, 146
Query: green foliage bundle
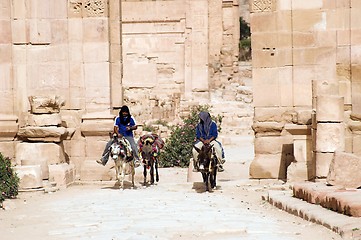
9, 181
245, 30
245, 49
178, 148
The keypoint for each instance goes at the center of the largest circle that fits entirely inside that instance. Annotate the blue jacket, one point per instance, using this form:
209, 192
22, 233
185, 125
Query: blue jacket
122, 128
213, 131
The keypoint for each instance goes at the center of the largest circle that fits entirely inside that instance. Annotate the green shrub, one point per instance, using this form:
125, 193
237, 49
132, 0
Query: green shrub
244, 29
245, 49
178, 147
161, 122
9, 181
148, 128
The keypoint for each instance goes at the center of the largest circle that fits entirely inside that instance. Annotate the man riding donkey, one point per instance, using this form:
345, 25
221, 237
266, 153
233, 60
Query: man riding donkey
207, 133
124, 125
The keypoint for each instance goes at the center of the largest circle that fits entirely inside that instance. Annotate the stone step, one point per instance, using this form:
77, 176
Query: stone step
347, 227
338, 199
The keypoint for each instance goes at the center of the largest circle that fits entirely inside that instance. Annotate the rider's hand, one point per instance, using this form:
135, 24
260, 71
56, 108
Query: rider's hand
127, 128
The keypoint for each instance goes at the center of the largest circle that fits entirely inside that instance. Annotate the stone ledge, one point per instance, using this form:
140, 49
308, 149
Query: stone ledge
43, 134
347, 227
295, 129
344, 201
8, 127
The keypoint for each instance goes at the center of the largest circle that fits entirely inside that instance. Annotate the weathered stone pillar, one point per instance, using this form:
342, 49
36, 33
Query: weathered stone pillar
115, 53
330, 131
198, 10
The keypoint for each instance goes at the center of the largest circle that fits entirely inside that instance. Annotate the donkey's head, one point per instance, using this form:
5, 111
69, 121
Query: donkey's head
148, 151
204, 155
117, 150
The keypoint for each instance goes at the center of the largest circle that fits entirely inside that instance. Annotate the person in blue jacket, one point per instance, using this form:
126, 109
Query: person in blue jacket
207, 132
124, 125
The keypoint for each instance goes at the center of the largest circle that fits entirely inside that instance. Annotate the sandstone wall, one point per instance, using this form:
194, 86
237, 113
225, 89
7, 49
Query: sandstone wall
303, 53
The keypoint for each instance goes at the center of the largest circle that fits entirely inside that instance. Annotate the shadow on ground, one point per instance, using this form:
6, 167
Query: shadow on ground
200, 187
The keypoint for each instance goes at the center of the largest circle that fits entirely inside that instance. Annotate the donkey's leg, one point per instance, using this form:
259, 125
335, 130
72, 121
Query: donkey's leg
133, 173
213, 176
118, 171
206, 182
204, 177
151, 172
145, 174
122, 174
156, 170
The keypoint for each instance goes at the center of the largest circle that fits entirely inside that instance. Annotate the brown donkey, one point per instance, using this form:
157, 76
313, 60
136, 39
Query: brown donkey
207, 165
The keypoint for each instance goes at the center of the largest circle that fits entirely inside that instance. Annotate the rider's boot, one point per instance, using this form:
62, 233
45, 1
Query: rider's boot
221, 161
100, 161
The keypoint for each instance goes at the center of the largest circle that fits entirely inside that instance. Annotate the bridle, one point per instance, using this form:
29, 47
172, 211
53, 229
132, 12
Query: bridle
117, 149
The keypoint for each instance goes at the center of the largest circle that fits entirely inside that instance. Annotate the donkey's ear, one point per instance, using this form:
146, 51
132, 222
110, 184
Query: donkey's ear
197, 149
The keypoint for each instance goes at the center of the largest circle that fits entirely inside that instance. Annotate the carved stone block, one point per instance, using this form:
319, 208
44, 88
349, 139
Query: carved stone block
262, 5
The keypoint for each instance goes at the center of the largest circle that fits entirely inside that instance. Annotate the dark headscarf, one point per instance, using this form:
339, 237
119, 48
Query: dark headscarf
124, 120
206, 122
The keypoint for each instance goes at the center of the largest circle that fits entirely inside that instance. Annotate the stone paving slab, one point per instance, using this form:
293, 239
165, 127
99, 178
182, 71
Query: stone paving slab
348, 227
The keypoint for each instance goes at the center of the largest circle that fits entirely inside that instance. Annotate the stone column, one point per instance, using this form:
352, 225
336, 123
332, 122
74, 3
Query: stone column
330, 131
198, 12
229, 50
6, 56
115, 53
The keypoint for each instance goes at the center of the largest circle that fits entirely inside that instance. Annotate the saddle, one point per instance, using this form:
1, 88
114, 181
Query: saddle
153, 139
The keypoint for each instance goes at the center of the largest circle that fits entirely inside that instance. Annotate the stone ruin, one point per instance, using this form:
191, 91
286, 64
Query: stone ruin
40, 154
